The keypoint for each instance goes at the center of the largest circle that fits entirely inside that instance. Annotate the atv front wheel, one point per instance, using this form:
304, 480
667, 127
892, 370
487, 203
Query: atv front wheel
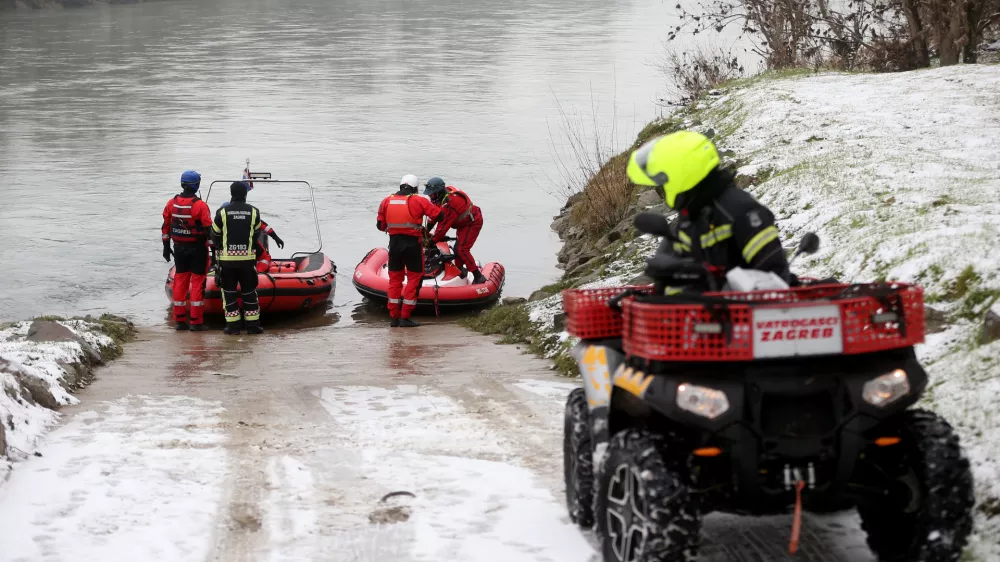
578, 460
934, 525
645, 510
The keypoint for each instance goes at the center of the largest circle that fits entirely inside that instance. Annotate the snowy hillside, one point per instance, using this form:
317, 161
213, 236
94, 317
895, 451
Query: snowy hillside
899, 174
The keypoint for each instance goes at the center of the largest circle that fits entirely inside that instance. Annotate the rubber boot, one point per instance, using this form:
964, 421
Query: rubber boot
462, 272
232, 329
394, 323
198, 328
181, 326
407, 323
254, 328
478, 278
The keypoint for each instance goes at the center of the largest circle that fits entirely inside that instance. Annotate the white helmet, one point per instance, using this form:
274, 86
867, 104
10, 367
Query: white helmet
410, 180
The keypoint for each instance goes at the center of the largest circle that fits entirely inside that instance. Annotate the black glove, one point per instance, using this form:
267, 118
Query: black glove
277, 239
166, 250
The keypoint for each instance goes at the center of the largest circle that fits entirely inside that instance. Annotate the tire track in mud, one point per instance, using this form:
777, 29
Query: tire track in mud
239, 528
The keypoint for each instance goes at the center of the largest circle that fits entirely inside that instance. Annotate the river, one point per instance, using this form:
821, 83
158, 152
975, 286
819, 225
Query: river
102, 108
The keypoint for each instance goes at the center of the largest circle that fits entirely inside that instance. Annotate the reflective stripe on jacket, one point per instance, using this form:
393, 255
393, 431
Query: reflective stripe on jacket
236, 228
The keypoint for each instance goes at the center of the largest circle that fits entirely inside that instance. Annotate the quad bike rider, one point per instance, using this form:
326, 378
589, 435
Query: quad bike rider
753, 403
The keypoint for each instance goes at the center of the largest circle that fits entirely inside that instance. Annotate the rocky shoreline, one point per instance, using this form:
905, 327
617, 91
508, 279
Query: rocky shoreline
43, 362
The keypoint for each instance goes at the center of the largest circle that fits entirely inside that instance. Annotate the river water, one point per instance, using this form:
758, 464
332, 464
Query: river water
102, 108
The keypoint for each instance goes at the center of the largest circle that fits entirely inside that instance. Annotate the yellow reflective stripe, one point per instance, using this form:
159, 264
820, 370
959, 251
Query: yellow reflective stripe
253, 229
684, 238
672, 291
225, 238
681, 247
716, 235
757, 243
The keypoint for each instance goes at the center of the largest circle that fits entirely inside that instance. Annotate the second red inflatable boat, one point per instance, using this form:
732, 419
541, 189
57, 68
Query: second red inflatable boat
442, 287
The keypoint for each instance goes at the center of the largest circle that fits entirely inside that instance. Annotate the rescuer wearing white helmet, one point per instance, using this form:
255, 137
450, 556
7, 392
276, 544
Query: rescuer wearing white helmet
401, 215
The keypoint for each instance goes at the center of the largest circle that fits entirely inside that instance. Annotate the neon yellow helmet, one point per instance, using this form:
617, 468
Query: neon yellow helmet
676, 163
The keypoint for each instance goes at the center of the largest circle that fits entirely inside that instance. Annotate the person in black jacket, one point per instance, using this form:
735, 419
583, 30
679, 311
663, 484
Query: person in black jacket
718, 223
235, 231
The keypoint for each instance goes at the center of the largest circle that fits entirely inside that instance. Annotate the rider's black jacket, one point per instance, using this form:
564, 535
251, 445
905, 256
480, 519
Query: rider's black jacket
726, 227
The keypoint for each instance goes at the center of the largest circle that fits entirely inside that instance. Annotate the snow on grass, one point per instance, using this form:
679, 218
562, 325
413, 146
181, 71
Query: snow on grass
112, 477
25, 423
899, 174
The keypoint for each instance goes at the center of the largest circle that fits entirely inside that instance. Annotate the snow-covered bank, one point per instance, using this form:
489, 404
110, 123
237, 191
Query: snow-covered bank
42, 362
899, 174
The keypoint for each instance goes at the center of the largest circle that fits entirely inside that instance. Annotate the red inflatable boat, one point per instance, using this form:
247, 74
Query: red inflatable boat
442, 287
305, 281
290, 285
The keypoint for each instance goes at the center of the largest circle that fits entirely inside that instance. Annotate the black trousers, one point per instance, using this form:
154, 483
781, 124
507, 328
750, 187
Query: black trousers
239, 281
405, 251
191, 258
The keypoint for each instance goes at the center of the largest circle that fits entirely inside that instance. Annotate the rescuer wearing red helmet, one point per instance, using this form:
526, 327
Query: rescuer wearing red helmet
401, 215
187, 221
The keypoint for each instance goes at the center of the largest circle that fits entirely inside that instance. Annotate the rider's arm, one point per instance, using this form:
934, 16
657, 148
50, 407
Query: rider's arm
756, 237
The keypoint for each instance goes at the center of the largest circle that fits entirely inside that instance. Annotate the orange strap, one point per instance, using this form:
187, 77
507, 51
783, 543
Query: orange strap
793, 544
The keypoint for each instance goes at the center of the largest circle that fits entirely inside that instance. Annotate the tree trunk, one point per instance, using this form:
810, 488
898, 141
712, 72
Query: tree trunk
973, 35
952, 36
918, 37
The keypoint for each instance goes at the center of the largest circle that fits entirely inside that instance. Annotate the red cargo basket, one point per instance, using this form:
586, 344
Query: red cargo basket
588, 315
817, 320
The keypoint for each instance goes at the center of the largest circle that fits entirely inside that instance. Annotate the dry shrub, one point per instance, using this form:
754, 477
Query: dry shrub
607, 199
592, 167
696, 72
891, 55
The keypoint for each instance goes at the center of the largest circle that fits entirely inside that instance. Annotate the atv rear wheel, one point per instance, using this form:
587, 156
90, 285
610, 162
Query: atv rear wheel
934, 525
645, 510
578, 460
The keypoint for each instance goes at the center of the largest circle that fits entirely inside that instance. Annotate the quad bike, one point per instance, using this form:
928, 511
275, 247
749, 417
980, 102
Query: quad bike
757, 403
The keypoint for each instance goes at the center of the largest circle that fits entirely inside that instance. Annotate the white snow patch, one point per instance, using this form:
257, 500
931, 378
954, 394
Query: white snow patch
470, 509
409, 417
140, 471
548, 389
291, 510
475, 510
26, 423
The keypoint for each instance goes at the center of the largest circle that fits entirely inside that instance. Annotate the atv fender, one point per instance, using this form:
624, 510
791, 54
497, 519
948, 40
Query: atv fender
596, 363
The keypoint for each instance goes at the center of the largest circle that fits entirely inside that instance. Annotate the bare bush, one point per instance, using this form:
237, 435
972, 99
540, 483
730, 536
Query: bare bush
874, 34
694, 73
592, 167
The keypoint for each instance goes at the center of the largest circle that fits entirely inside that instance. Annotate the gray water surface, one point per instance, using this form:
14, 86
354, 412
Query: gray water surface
102, 108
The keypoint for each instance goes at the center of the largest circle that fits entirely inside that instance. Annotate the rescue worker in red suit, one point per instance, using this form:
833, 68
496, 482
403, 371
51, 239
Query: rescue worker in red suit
459, 213
402, 215
187, 221
264, 261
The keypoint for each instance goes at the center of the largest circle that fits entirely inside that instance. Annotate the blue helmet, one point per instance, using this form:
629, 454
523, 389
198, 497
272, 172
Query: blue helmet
191, 180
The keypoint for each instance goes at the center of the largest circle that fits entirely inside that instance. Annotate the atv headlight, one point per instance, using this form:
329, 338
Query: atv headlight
887, 388
702, 400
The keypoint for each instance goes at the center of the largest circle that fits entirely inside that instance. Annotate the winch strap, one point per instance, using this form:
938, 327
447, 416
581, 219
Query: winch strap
793, 544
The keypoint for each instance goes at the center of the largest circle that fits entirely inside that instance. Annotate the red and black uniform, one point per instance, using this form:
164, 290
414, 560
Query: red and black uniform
186, 222
460, 213
263, 255
401, 215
